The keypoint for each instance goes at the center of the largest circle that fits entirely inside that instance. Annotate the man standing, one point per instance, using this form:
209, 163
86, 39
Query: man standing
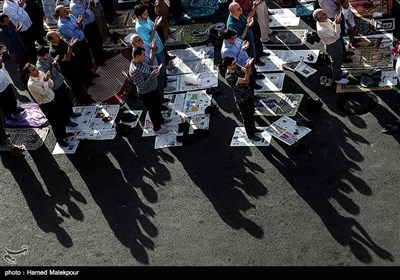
329, 32
145, 79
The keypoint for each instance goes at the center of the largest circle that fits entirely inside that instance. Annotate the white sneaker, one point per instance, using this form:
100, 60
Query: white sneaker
162, 130
167, 120
342, 81
172, 30
170, 41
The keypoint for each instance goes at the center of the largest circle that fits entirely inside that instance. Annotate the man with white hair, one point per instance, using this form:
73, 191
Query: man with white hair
329, 32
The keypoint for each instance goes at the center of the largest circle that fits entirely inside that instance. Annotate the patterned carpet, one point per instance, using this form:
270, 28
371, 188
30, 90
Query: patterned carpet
30, 138
113, 78
284, 37
190, 34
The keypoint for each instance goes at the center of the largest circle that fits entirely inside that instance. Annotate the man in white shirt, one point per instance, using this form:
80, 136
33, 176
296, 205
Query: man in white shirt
40, 86
329, 32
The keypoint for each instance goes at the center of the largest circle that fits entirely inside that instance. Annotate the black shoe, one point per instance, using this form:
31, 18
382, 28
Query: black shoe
259, 63
255, 138
260, 77
256, 97
259, 130
257, 86
63, 143
19, 109
166, 100
347, 60
264, 54
210, 109
69, 134
164, 108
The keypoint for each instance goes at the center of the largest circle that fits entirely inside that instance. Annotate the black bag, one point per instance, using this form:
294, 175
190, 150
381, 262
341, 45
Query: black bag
371, 78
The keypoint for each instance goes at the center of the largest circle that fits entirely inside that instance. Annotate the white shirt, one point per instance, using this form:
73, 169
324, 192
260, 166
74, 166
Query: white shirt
17, 14
3, 81
41, 90
348, 18
328, 31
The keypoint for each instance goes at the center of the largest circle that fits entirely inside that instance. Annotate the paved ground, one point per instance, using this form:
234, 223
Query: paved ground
122, 203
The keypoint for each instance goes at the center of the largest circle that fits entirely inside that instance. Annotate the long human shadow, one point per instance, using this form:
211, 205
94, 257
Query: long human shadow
108, 172
58, 185
327, 170
42, 205
222, 173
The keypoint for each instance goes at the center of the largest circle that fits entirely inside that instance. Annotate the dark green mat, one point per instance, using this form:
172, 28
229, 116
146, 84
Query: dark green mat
355, 86
190, 34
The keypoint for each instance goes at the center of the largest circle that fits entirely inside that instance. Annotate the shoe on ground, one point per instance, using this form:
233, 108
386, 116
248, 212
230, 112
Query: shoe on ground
255, 138
390, 129
166, 100
348, 53
259, 130
167, 120
63, 143
257, 86
322, 80
260, 77
17, 151
342, 81
163, 108
329, 82
170, 41
210, 109
72, 124
69, 134
260, 63
76, 115
265, 54
162, 130
347, 60
345, 74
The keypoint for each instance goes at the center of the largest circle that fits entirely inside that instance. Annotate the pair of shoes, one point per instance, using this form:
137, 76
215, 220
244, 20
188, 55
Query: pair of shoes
260, 77
76, 115
69, 134
342, 81
255, 138
347, 60
169, 41
62, 143
257, 86
163, 108
162, 130
210, 109
72, 124
165, 100
259, 63
167, 120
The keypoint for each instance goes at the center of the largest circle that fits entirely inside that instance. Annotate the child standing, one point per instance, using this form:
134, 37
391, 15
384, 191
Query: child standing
349, 23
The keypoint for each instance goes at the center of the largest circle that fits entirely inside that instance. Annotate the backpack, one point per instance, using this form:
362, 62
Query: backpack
371, 77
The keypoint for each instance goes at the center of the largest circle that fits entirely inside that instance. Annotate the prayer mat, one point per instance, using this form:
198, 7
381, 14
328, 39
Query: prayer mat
32, 116
362, 8
30, 138
365, 26
278, 104
374, 51
388, 80
190, 34
284, 37
112, 80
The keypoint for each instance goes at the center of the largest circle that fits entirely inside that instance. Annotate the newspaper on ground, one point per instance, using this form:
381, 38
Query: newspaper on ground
271, 82
240, 138
277, 59
284, 17
286, 130
304, 69
190, 82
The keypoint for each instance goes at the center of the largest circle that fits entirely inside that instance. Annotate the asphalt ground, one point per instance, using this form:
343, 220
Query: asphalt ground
333, 202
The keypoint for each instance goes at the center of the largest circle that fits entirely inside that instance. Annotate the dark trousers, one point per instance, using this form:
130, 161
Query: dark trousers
151, 101
3, 133
95, 41
28, 39
247, 109
52, 113
257, 40
61, 97
109, 10
84, 57
8, 102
